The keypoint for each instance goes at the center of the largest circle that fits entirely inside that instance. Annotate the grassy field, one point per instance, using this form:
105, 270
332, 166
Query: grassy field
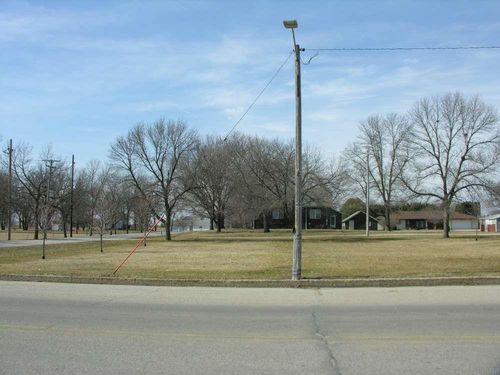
255, 255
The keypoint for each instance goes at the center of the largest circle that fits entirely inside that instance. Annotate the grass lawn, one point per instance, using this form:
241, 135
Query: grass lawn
256, 255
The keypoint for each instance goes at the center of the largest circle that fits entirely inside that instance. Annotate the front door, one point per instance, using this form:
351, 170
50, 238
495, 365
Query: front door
333, 221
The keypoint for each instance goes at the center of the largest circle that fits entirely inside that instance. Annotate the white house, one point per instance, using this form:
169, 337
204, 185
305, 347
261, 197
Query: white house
490, 223
190, 223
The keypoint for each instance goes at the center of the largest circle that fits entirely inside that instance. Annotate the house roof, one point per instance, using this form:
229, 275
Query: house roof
429, 215
308, 206
491, 217
356, 214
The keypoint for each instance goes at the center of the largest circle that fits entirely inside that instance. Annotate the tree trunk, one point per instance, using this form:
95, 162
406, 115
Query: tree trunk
102, 229
64, 229
446, 222
36, 221
211, 223
220, 222
265, 224
91, 224
168, 226
26, 224
387, 217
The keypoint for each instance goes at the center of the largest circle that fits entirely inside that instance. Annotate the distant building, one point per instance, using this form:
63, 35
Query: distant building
313, 217
321, 218
490, 223
431, 219
358, 221
189, 223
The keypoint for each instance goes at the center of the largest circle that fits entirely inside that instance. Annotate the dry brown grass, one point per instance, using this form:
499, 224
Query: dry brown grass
255, 255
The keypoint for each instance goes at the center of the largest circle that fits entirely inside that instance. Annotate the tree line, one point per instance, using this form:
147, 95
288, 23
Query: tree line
442, 150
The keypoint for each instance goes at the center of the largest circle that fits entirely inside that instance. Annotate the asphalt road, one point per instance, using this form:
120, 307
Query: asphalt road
51, 241
101, 329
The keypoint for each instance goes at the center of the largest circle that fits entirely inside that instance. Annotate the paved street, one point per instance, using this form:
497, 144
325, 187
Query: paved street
85, 329
52, 241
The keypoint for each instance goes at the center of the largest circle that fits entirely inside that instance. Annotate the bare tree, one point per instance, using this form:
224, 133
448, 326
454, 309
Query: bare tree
60, 187
271, 164
32, 177
323, 182
266, 170
126, 203
382, 150
104, 206
493, 194
214, 173
95, 177
80, 201
455, 147
153, 157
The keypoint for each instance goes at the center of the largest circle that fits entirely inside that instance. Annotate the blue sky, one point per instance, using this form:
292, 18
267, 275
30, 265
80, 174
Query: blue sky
77, 74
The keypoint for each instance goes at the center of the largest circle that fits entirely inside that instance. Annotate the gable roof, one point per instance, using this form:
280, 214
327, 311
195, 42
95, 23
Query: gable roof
429, 215
356, 214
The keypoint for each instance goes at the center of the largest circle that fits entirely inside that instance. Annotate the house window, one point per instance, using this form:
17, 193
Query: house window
315, 213
277, 215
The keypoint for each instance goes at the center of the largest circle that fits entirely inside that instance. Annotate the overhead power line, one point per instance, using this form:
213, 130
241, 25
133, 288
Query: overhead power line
258, 96
348, 49
402, 48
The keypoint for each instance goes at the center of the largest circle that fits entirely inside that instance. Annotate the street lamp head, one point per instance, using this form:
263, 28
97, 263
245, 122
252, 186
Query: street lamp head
290, 24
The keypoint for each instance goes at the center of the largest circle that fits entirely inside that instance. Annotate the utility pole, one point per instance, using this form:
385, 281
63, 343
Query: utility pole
49, 163
10, 150
71, 197
297, 236
368, 193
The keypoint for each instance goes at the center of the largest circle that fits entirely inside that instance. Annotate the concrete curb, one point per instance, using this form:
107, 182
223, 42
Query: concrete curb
305, 283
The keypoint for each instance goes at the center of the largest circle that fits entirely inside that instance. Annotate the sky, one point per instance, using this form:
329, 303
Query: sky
74, 75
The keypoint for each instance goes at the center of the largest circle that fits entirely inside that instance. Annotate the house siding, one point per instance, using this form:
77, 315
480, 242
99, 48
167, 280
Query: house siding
329, 219
359, 222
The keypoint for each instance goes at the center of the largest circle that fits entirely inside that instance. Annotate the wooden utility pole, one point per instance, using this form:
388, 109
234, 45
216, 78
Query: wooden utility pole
51, 166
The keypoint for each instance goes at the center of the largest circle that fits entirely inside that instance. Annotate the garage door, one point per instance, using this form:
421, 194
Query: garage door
461, 224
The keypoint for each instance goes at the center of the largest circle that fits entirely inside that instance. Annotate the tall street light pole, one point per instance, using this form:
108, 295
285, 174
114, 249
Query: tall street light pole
10, 150
72, 192
297, 236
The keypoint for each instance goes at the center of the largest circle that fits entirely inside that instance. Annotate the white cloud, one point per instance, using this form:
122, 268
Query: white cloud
275, 127
322, 116
156, 105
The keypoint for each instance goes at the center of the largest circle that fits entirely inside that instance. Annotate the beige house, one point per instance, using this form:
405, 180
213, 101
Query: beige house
431, 219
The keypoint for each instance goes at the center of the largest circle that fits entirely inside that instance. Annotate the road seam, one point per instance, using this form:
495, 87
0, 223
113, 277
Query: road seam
333, 361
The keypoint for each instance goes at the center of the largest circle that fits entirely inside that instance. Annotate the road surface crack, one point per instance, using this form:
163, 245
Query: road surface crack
333, 361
